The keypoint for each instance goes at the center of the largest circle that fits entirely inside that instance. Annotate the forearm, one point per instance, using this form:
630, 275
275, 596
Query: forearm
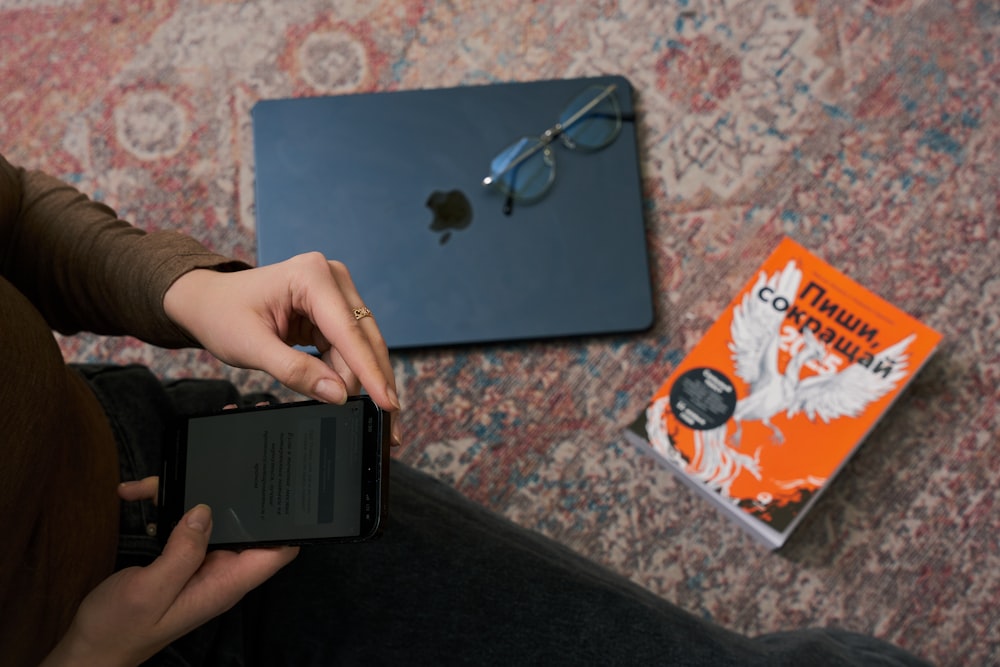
86, 269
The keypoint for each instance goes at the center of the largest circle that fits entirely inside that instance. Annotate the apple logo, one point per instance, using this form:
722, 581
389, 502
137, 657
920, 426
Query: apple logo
452, 211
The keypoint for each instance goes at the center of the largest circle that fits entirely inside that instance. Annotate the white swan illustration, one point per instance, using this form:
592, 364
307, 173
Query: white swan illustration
756, 336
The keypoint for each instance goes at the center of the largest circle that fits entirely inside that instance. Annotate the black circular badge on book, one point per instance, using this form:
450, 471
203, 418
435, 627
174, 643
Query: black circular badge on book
703, 399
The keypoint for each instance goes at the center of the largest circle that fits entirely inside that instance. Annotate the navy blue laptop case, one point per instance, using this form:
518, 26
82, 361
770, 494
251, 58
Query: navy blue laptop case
368, 179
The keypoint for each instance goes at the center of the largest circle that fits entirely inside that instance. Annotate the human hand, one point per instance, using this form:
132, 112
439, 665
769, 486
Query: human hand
251, 318
139, 489
137, 611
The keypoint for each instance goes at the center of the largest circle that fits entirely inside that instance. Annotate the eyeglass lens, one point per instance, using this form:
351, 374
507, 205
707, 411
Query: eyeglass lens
595, 127
526, 169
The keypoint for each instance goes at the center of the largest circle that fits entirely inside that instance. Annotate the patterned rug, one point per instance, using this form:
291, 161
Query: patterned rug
865, 130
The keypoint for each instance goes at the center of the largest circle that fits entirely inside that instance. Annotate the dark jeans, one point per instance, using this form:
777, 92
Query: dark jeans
448, 582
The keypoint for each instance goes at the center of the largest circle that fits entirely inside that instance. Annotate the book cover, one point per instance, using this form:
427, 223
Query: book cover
772, 401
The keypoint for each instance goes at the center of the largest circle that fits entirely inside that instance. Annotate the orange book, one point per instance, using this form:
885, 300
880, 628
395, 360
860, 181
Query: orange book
773, 400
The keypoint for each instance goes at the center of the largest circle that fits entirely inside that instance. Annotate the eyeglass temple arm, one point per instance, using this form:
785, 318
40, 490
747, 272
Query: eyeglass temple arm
550, 134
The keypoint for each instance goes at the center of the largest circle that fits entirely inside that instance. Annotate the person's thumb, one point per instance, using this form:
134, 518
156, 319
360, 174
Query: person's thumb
185, 549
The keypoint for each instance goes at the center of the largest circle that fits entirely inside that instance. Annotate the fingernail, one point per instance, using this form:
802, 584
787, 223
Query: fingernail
330, 391
393, 398
397, 438
200, 518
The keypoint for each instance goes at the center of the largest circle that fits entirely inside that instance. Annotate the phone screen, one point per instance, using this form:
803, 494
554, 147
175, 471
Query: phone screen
286, 474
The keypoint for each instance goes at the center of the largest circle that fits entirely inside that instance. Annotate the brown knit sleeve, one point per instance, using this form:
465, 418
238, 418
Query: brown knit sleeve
84, 268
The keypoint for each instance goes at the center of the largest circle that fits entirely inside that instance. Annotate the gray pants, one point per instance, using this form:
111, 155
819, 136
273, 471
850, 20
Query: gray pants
449, 583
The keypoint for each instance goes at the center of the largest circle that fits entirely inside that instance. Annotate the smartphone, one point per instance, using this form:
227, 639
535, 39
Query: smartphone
295, 473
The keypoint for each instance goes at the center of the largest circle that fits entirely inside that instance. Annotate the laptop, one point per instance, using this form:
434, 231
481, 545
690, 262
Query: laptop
391, 184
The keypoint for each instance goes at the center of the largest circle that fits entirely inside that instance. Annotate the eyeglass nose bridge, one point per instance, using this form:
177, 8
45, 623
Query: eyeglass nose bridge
558, 131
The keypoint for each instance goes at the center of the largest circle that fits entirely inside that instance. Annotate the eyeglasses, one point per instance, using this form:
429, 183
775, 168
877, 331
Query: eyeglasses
526, 169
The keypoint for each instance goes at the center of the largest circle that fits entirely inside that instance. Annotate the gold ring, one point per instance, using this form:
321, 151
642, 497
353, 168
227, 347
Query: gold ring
362, 312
